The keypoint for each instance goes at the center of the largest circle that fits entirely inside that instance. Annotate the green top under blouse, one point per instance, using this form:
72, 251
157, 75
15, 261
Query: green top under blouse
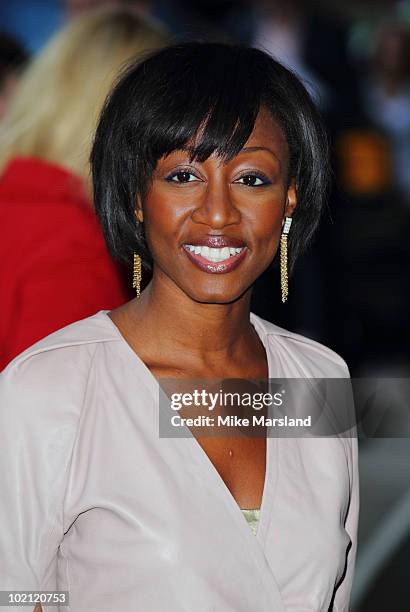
252, 516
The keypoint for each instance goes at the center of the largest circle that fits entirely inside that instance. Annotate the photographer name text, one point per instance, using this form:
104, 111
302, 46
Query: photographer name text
235, 421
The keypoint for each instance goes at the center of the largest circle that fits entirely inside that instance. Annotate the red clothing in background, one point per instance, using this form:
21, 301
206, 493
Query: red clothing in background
54, 265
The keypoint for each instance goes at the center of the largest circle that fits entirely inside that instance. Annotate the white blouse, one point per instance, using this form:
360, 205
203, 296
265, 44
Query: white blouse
94, 502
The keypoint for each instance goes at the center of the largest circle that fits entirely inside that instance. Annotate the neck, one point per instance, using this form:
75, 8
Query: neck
192, 327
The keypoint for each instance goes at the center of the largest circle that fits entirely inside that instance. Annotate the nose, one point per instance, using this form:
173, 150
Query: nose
216, 208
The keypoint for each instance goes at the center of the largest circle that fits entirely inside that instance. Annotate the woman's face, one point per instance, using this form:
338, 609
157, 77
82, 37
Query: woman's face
214, 227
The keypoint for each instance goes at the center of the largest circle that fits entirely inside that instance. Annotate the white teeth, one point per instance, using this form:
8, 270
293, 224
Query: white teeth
214, 255
225, 253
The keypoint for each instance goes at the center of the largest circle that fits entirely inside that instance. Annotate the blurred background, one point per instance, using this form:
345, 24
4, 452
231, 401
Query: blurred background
351, 290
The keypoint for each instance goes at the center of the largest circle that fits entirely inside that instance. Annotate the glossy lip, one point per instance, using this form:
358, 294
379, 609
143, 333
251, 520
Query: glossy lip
211, 267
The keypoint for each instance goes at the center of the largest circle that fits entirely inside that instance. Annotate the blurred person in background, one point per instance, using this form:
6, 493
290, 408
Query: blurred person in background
54, 266
34, 22
76, 7
281, 31
13, 58
310, 38
368, 245
386, 96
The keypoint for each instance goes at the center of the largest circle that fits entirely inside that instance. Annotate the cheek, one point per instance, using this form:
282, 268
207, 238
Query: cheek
267, 224
162, 221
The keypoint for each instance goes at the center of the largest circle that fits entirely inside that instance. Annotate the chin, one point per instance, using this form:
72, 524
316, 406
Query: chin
212, 295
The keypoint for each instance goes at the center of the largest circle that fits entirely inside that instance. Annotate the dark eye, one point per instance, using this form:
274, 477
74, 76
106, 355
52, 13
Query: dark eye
181, 177
253, 180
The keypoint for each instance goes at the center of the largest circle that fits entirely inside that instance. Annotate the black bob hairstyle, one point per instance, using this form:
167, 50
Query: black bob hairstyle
159, 105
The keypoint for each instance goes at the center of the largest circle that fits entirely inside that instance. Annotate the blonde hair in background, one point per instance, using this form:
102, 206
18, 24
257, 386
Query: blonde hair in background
56, 105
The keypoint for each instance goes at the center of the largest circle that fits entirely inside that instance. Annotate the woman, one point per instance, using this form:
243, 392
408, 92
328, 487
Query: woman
58, 255
202, 152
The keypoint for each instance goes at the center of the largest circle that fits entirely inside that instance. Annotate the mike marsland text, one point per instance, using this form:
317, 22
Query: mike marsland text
234, 421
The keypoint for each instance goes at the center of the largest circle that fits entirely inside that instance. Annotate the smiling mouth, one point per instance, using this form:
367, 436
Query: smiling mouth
215, 260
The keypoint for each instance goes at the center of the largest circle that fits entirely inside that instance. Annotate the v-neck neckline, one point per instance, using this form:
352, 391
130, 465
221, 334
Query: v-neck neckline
198, 453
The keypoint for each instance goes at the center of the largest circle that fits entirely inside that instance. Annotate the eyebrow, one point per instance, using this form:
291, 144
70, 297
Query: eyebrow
260, 149
244, 150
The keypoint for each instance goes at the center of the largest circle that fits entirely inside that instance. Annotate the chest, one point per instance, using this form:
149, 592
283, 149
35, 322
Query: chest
239, 461
241, 465
140, 506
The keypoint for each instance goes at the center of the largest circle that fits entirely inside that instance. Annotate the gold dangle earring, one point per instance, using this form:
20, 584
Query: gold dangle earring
284, 259
136, 279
